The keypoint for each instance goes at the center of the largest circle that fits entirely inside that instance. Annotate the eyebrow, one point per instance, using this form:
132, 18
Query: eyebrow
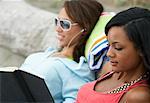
115, 42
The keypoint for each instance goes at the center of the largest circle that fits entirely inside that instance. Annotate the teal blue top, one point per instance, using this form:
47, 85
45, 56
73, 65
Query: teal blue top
63, 76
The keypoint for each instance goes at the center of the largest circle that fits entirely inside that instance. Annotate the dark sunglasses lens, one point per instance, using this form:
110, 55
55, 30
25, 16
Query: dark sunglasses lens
65, 24
56, 22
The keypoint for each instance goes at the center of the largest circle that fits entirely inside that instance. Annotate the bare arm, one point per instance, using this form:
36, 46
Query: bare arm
138, 95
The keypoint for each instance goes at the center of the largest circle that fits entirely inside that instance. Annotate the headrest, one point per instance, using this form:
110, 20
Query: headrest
96, 46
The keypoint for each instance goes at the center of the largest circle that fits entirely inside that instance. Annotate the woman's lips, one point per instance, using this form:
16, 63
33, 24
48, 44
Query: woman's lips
59, 37
113, 63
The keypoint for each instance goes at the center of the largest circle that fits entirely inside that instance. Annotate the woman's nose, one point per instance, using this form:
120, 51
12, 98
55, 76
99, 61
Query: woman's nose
110, 52
58, 28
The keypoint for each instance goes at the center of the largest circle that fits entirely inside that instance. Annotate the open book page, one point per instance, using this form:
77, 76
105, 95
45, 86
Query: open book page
8, 69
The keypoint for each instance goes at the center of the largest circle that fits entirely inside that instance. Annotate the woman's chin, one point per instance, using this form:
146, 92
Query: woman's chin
61, 45
115, 69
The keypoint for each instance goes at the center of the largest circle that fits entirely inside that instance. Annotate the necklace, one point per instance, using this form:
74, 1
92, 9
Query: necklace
126, 85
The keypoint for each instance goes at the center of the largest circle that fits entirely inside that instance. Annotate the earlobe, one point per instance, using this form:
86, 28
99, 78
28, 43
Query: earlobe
140, 53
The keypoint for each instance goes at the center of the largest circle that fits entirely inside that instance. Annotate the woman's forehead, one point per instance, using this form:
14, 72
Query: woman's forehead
117, 34
63, 14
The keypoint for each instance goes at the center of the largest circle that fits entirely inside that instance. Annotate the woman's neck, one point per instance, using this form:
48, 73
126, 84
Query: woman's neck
131, 75
68, 52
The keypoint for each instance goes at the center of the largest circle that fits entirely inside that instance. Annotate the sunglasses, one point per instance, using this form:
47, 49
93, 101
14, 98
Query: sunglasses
64, 24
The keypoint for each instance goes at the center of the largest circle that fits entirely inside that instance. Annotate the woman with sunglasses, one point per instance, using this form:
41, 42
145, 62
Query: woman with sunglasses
128, 34
66, 70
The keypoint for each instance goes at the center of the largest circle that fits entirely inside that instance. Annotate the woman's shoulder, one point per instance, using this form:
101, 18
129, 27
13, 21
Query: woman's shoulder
139, 94
41, 54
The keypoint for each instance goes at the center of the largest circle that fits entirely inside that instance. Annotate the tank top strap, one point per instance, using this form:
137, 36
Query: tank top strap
140, 83
105, 75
